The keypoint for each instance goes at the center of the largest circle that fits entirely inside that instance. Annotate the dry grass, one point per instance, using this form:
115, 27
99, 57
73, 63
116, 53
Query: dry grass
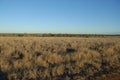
59, 58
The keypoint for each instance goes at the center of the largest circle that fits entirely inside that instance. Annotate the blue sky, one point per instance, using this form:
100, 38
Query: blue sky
60, 16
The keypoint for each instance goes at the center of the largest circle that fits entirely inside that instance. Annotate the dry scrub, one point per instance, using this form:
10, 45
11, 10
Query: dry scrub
59, 58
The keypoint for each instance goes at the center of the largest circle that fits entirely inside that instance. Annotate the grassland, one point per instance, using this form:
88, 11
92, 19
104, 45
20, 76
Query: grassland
59, 58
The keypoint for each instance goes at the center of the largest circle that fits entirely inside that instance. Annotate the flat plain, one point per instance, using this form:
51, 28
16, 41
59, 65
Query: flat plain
60, 58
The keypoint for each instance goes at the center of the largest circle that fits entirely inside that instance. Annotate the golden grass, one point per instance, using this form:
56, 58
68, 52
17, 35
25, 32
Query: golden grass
58, 58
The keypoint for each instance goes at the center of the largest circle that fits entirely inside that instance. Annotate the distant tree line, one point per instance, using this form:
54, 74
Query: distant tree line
55, 35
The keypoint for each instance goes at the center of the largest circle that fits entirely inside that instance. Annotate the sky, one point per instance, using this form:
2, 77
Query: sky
60, 16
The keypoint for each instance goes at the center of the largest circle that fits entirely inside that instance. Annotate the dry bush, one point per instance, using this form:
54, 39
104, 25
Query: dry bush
59, 58
41, 62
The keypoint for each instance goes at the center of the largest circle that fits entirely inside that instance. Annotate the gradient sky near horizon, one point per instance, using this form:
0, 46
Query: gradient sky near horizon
60, 16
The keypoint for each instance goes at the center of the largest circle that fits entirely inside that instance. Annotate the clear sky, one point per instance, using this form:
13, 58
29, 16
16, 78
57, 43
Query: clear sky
60, 16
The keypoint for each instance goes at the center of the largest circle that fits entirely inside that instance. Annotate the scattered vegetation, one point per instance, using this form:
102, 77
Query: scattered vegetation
59, 58
55, 35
